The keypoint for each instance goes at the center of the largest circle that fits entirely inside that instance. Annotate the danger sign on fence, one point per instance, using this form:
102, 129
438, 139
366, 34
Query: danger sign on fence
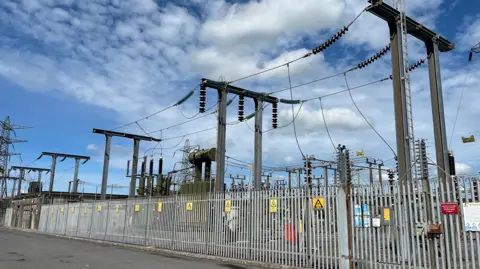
318, 203
273, 205
189, 206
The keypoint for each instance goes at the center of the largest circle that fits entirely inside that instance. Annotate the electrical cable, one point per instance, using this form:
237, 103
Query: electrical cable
179, 102
293, 111
314, 51
365, 118
326, 127
459, 105
143, 130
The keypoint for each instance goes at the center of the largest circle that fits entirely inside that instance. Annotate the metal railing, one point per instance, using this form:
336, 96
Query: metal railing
393, 225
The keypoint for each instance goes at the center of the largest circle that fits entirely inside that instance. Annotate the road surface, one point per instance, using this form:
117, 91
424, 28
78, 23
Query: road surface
24, 250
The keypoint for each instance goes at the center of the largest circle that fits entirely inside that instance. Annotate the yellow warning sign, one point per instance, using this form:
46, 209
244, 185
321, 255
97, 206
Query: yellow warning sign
99, 208
137, 207
250, 168
318, 203
189, 206
386, 213
61, 209
85, 210
160, 207
273, 205
73, 209
228, 206
117, 208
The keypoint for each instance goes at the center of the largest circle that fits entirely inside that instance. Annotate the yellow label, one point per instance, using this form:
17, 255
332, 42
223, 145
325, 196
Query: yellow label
273, 205
189, 206
300, 224
160, 207
318, 203
386, 213
137, 207
61, 209
73, 209
86, 209
228, 206
117, 208
99, 208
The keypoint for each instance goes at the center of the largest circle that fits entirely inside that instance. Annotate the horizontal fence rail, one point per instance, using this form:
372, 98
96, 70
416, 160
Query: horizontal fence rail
393, 225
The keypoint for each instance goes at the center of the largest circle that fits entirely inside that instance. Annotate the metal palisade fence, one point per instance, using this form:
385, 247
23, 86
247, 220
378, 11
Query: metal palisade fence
391, 225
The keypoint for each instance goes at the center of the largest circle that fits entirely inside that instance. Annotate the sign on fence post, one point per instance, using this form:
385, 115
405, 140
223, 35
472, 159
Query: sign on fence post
449, 208
189, 206
160, 207
137, 207
472, 217
228, 206
273, 205
318, 203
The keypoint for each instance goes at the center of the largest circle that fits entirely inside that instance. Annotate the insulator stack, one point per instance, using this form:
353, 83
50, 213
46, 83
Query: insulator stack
416, 65
274, 115
330, 42
241, 107
349, 166
203, 98
374, 58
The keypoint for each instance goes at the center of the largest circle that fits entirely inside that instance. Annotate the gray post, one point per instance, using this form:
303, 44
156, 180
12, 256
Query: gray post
75, 176
221, 135
289, 179
13, 187
342, 212
299, 178
22, 177
400, 103
133, 179
106, 164
52, 174
257, 163
436, 93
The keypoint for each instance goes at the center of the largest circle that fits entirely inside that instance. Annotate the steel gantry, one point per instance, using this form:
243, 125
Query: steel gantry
64, 156
23, 169
136, 147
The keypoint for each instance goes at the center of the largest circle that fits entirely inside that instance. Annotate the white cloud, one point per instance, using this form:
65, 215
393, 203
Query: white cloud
469, 35
463, 169
134, 58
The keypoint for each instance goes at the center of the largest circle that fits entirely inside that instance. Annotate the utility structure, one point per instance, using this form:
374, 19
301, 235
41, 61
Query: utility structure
401, 25
55, 156
344, 208
5, 141
307, 162
23, 169
223, 89
106, 161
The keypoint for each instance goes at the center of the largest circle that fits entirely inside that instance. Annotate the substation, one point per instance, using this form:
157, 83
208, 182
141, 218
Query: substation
320, 216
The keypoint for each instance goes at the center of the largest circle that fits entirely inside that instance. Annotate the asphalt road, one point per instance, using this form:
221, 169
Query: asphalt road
24, 250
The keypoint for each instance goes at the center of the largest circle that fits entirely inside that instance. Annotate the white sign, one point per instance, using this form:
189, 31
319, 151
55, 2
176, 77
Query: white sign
471, 216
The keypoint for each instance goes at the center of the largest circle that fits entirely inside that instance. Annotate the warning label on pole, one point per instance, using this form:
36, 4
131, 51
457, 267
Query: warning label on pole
273, 205
189, 206
137, 207
318, 203
160, 207
228, 206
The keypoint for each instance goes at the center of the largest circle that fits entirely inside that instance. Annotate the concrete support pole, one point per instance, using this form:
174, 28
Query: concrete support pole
133, 179
257, 163
106, 163
75, 176
52, 174
208, 171
436, 93
221, 140
289, 179
400, 104
343, 213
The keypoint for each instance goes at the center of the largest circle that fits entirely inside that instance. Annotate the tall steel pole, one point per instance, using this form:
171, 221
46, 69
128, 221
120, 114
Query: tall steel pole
258, 145
52, 174
75, 176
221, 140
106, 163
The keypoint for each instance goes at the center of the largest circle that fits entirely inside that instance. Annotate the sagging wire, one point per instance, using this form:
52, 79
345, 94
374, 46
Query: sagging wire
179, 102
314, 51
365, 118
293, 111
326, 126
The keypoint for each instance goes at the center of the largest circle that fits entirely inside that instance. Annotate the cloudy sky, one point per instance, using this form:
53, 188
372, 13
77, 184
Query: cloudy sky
69, 66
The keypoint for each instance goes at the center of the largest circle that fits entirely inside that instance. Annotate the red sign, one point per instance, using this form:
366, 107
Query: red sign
449, 208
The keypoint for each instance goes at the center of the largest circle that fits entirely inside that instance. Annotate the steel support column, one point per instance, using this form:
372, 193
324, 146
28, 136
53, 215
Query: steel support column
22, 177
436, 94
133, 179
52, 174
75, 176
400, 104
221, 140
257, 163
106, 164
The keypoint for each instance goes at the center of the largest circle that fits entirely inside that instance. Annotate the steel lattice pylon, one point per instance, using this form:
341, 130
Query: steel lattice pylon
186, 172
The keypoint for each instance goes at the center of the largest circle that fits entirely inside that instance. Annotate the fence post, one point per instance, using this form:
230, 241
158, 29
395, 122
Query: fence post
78, 219
209, 211
250, 222
91, 219
344, 218
66, 219
147, 226
106, 220
125, 221
175, 219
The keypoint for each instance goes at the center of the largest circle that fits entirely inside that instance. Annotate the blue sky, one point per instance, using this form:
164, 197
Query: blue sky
67, 67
